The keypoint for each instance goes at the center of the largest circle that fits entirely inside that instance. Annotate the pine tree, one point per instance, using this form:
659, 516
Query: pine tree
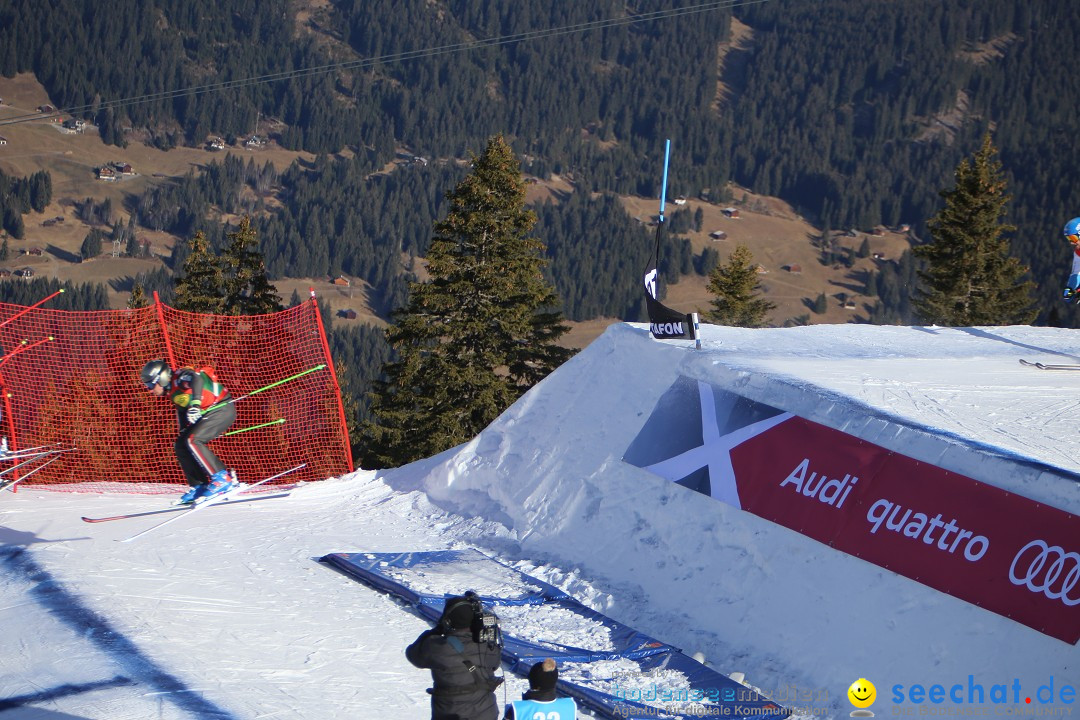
130, 240
138, 298
482, 331
350, 407
970, 278
247, 289
201, 288
40, 190
143, 251
91, 244
735, 285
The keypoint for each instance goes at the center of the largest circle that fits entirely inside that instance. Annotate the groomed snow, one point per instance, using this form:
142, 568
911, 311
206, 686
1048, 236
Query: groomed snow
227, 614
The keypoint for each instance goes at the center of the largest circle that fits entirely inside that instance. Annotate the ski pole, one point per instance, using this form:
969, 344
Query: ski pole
271, 385
255, 427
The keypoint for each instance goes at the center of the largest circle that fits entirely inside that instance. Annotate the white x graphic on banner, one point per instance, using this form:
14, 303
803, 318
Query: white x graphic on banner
714, 451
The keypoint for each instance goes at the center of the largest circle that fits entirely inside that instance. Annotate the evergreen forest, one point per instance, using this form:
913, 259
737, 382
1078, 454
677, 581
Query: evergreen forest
855, 112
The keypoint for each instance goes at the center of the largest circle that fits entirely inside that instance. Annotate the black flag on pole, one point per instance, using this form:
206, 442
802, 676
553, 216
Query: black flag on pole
665, 323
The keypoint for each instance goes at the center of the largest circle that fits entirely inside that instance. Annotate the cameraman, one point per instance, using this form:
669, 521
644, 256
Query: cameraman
462, 666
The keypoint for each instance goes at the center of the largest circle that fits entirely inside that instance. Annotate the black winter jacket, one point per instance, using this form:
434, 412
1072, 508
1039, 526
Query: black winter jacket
464, 681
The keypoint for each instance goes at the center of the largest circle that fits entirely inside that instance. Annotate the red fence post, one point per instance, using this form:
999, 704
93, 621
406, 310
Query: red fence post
333, 375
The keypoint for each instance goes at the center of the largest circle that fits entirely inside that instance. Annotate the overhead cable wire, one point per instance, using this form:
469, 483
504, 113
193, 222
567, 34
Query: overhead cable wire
390, 58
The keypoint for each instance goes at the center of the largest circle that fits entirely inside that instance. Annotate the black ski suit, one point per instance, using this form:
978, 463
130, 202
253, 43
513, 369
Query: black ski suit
462, 672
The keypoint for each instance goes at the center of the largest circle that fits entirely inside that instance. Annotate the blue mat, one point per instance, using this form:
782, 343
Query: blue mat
632, 676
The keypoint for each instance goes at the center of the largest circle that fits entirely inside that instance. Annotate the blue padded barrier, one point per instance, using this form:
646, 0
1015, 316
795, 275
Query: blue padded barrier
626, 674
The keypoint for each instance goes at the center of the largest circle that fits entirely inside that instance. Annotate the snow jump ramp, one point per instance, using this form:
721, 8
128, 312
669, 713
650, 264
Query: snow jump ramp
800, 504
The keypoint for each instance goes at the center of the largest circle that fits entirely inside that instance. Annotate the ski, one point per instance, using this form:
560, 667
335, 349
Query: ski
1044, 366
6, 453
27, 459
210, 502
5, 484
177, 508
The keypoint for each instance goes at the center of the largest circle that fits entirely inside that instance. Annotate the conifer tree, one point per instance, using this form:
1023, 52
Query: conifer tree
247, 289
970, 278
201, 288
735, 285
349, 405
131, 241
40, 190
130, 230
138, 298
482, 331
91, 244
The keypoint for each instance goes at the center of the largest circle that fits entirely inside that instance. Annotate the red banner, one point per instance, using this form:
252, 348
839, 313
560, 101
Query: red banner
1002, 552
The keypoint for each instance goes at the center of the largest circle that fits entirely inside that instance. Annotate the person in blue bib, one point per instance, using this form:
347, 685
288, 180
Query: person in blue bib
539, 701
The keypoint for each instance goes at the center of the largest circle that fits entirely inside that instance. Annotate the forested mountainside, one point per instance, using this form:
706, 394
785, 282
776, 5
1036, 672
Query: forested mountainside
854, 111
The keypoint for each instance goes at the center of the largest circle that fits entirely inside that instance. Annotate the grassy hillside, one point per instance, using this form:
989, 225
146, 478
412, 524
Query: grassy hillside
780, 240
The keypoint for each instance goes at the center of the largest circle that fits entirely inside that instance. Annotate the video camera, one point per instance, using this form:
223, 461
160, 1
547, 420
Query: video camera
484, 624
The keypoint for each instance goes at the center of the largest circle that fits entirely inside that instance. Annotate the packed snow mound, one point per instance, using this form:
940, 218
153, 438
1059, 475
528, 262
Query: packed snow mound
754, 596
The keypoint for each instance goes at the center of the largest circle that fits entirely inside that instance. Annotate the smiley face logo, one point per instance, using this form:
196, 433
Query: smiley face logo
862, 693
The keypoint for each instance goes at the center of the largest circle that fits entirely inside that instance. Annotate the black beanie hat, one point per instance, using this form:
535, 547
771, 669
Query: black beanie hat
458, 612
543, 675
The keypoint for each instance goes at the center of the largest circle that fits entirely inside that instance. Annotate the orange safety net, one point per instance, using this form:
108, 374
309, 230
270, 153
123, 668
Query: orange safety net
71, 380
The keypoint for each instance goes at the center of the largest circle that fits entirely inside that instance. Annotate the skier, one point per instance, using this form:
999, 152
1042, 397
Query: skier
1072, 286
194, 393
539, 700
462, 668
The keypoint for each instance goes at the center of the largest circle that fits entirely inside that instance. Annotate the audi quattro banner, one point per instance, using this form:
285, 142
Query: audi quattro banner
989, 547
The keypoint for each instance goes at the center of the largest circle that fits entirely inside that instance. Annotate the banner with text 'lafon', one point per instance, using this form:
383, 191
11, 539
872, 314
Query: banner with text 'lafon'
987, 546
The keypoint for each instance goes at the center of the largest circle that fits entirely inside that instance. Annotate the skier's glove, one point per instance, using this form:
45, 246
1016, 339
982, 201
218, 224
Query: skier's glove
193, 415
1071, 293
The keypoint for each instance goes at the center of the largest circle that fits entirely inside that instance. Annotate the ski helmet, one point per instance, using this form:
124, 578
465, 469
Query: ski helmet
156, 372
1072, 230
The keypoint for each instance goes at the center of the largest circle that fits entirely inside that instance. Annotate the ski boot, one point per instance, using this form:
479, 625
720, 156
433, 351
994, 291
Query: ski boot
220, 482
191, 495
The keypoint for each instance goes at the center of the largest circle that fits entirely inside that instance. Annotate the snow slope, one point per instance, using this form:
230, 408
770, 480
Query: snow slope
227, 614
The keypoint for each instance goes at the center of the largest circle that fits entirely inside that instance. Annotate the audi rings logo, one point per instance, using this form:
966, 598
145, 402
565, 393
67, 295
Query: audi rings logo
1051, 571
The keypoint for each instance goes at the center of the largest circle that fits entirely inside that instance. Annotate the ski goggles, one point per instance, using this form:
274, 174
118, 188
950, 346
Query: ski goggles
1073, 238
